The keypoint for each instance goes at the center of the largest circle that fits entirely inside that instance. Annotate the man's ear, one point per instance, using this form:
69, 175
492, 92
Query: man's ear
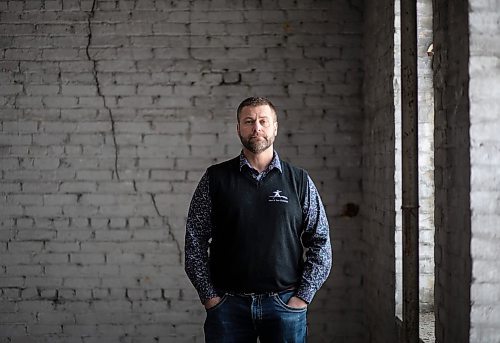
275, 128
238, 128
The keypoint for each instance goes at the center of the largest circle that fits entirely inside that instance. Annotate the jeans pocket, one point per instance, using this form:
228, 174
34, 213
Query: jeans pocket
219, 304
282, 299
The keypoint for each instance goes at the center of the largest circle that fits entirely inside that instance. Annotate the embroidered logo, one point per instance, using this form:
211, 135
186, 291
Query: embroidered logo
277, 197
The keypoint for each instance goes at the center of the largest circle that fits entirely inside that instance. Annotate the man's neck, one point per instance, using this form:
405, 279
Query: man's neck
261, 160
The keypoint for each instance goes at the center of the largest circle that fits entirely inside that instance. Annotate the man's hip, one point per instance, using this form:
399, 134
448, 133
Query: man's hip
242, 317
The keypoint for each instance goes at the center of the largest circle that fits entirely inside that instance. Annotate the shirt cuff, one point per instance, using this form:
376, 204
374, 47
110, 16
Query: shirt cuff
305, 294
207, 294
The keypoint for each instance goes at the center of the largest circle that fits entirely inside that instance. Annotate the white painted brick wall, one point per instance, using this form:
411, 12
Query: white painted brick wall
484, 92
91, 246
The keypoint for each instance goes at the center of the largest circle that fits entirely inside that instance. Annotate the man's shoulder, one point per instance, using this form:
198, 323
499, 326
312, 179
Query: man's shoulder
293, 169
225, 165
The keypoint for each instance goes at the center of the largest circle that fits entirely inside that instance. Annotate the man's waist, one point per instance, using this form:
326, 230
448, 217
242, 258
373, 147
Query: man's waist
257, 293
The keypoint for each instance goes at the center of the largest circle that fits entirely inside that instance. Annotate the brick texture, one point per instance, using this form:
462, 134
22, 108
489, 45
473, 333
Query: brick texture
110, 113
484, 73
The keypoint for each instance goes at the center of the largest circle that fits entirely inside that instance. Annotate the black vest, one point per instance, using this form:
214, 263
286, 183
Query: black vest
257, 226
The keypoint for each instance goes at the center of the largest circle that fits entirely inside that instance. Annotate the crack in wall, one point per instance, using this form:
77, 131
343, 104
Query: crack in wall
170, 232
16, 96
108, 109
98, 85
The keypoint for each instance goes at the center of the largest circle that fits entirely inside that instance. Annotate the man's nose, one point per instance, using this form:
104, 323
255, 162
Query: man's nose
257, 126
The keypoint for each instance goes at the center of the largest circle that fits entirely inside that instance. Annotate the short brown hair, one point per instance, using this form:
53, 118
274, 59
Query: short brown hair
255, 101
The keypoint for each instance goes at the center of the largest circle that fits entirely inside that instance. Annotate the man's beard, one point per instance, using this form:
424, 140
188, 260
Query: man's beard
257, 146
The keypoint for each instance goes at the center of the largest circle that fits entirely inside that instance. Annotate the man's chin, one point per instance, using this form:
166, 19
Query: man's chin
256, 146
257, 149
257, 138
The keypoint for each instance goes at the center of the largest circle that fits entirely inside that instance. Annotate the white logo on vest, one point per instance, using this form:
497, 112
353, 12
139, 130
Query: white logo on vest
277, 197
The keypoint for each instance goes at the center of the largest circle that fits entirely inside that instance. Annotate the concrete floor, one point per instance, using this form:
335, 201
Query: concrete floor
427, 327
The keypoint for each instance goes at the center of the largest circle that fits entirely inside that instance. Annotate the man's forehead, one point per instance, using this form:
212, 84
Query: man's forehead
260, 111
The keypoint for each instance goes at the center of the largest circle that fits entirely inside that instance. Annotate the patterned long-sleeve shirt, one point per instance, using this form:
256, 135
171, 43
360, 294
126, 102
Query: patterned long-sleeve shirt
315, 237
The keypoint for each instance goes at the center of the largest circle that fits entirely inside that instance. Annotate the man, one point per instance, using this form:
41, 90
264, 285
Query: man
255, 214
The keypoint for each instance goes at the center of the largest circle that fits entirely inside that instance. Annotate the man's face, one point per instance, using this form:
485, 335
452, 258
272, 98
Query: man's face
257, 128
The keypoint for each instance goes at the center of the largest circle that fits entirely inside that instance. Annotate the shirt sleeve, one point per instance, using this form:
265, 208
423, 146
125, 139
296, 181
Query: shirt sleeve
198, 234
316, 240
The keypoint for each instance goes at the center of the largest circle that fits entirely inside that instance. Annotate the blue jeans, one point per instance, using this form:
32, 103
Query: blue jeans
243, 318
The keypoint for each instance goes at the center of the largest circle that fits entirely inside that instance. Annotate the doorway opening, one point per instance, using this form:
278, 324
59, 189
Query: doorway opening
425, 167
